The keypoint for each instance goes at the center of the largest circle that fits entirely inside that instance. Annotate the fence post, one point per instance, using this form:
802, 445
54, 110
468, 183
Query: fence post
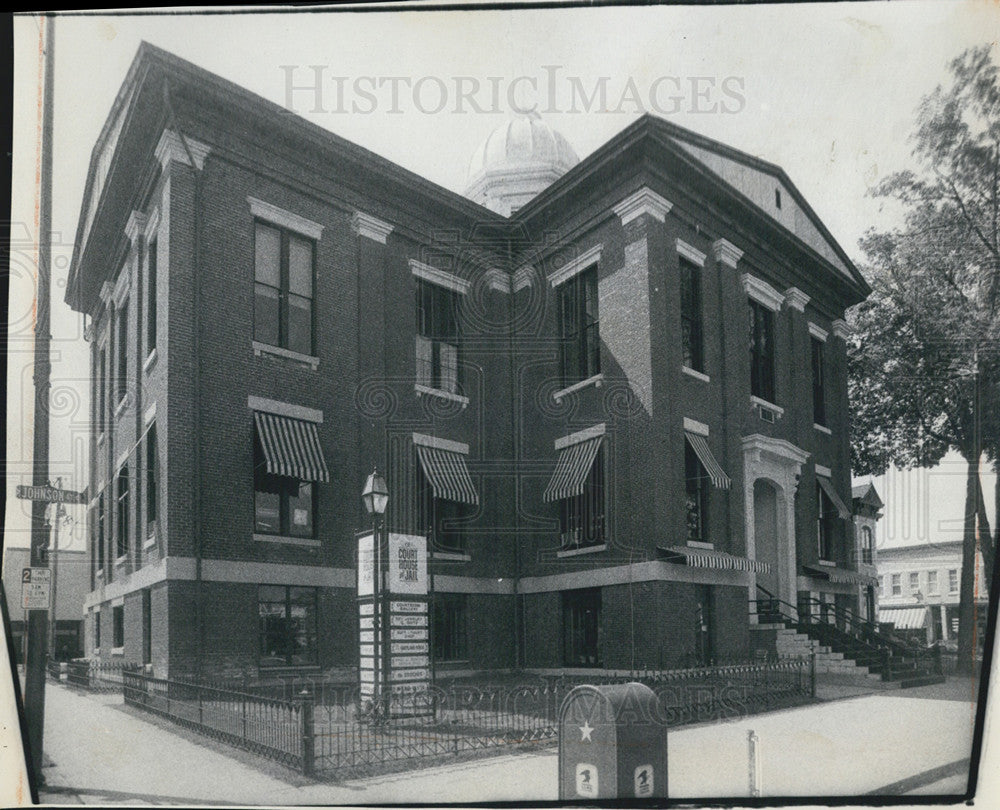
307, 726
812, 674
755, 776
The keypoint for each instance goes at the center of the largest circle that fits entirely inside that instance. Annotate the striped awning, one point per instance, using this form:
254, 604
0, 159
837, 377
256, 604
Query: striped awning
571, 470
291, 447
709, 558
909, 618
839, 575
827, 486
715, 472
448, 474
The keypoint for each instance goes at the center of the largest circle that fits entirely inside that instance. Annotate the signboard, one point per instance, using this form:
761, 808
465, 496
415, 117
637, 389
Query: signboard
50, 494
36, 585
407, 564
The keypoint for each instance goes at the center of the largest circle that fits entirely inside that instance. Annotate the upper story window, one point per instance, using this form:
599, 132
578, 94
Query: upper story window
100, 539
121, 378
826, 513
283, 505
881, 586
437, 338
445, 494
579, 327
932, 583
582, 516
818, 382
152, 477
151, 259
867, 545
442, 520
691, 320
121, 521
761, 351
953, 581
897, 585
283, 288
102, 389
914, 582
697, 493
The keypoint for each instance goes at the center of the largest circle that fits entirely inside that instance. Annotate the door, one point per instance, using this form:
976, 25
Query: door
704, 626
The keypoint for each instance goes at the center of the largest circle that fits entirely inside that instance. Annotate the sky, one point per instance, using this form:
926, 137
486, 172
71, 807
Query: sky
826, 91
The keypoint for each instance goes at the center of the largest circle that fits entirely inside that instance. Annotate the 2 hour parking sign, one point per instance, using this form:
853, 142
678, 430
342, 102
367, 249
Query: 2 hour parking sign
36, 586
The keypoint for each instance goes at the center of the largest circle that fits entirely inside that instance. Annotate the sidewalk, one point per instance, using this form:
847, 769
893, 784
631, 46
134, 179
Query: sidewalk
103, 754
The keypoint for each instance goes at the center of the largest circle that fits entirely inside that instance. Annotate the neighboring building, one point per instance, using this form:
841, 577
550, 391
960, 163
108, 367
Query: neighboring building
919, 590
867, 504
592, 407
72, 572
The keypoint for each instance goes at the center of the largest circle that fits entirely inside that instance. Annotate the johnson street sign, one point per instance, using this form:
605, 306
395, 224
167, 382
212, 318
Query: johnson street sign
50, 494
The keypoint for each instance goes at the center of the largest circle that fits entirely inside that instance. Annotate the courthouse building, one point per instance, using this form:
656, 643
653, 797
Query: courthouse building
611, 392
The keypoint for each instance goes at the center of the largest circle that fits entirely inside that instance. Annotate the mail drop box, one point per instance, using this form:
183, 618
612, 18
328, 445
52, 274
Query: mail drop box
612, 743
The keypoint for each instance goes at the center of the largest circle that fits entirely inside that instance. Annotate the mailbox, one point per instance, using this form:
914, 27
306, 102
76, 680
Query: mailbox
612, 744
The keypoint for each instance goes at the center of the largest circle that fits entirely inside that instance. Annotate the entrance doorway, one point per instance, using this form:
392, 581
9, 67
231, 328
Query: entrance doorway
765, 531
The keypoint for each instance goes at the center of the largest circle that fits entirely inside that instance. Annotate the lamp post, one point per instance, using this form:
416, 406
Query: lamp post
375, 497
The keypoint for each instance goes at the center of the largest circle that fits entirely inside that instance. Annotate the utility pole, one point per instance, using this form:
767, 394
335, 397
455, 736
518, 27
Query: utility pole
34, 666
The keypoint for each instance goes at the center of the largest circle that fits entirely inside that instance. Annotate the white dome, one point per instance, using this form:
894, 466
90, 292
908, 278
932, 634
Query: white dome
516, 161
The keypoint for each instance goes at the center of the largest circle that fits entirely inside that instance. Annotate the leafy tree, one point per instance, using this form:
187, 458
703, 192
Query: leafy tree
925, 360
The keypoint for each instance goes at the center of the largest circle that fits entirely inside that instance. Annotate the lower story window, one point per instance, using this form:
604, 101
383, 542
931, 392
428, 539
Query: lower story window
582, 628
97, 629
118, 625
450, 627
287, 626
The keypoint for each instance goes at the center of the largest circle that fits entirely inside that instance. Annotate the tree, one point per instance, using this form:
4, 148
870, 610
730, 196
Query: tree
924, 364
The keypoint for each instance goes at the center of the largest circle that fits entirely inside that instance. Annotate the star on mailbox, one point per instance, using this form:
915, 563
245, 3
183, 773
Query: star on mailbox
586, 731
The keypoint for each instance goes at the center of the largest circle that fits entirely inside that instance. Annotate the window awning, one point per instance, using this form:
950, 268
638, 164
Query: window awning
571, 470
715, 472
827, 486
910, 618
709, 558
839, 575
448, 474
291, 447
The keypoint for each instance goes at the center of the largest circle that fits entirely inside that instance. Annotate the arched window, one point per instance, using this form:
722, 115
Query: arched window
867, 545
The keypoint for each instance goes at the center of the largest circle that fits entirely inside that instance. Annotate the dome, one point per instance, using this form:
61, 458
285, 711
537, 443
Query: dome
516, 161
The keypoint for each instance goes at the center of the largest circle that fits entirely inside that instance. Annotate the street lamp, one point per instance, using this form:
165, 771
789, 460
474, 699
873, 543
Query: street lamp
375, 497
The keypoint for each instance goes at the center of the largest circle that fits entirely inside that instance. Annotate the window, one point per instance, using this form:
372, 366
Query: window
897, 586
97, 630
691, 323
697, 489
582, 628
122, 378
579, 327
777, 198
581, 517
147, 627
283, 289
121, 523
151, 297
819, 393
914, 582
932, 583
867, 546
287, 626
826, 513
450, 627
761, 351
881, 586
443, 521
152, 477
100, 532
118, 626
102, 391
437, 336
953, 581
282, 505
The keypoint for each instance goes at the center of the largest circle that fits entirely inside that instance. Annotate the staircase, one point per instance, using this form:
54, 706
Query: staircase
847, 644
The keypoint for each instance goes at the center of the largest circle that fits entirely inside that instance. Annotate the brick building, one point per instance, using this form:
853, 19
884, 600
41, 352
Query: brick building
611, 392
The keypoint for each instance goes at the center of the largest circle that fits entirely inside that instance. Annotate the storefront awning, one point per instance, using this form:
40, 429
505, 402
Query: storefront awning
909, 618
291, 447
709, 558
715, 472
827, 486
839, 575
448, 474
571, 470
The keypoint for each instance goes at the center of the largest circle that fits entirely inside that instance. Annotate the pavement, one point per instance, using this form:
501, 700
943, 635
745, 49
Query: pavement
901, 742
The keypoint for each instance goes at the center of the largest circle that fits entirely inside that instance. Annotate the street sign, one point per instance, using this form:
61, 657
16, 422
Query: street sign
36, 584
50, 494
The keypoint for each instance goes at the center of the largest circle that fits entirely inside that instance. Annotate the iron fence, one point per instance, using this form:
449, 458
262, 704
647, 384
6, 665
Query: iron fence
270, 727
95, 676
319, 726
